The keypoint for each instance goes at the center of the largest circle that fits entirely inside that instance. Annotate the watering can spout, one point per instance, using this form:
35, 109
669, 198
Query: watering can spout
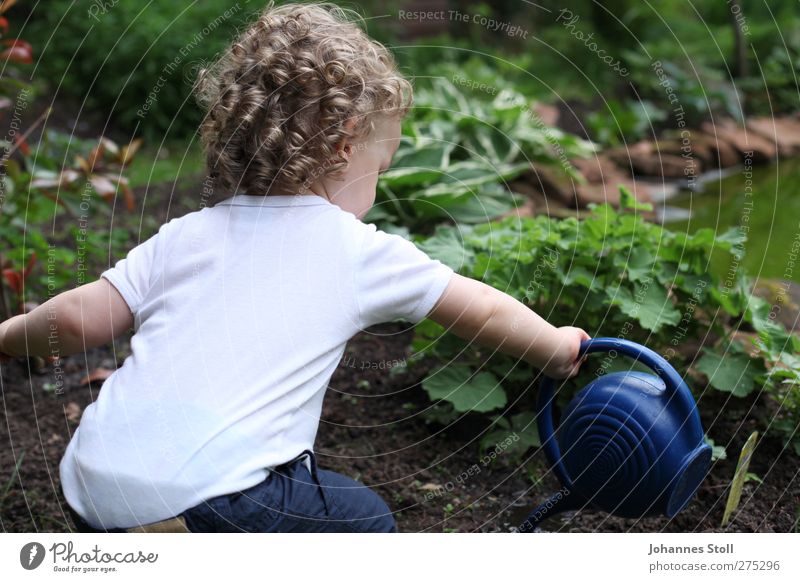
559, 502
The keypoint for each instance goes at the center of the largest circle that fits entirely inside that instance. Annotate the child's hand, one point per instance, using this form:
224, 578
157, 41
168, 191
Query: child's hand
4, 357
566, 363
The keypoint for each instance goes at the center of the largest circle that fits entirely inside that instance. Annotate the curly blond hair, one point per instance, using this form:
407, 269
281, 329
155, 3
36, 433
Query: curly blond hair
278, 99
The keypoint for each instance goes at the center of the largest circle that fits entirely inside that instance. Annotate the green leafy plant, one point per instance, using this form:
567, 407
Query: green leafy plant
739, 477
615, 274
624, 122
38, 252
699, 90
458, 154
143, 77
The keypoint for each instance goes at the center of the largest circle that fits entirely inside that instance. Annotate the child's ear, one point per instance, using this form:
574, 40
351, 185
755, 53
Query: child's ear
344, 148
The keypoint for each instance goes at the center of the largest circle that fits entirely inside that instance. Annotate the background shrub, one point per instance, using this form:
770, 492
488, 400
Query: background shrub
142, 44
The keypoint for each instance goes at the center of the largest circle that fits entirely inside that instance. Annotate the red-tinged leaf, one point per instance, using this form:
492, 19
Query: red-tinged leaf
29, 266
95, 156
97, 375
83, 164
55, 198
129, 151
22, 145
103, 186
13, 279
65, 177
127, 193
18, 51
6, 5
4, 24
16, 55
42, 183
109, 145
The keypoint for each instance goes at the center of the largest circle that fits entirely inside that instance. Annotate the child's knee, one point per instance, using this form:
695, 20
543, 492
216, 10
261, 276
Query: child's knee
355, 503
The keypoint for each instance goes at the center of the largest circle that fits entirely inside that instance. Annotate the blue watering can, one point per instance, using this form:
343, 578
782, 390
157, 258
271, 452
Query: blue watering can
632, 442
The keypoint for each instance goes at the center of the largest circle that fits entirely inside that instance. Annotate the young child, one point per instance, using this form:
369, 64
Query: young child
241, 311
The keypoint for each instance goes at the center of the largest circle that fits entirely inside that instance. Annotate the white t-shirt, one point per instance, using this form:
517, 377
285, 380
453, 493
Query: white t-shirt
242, 312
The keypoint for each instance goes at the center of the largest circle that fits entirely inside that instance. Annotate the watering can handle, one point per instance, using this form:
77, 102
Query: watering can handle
675, 388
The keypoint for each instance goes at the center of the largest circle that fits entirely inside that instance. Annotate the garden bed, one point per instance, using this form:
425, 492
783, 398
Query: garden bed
373, 430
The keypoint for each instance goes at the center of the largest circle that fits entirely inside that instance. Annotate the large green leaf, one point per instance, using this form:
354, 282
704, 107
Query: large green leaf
455, 383
417, 165
648, 304
446, 246
733, 372
462, 177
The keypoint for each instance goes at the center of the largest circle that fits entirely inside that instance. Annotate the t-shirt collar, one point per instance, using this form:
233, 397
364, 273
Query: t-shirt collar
275, 200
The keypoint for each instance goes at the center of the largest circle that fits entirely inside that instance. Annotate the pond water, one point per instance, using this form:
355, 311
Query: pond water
762, 198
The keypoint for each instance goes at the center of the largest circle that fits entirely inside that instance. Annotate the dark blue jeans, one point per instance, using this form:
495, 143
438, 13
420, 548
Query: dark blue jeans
290, 499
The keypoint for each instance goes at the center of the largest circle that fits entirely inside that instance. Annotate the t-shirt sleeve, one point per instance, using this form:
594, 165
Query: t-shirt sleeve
132, 275
395, 279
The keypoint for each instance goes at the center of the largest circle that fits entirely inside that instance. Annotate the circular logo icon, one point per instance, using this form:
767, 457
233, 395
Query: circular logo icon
31, 555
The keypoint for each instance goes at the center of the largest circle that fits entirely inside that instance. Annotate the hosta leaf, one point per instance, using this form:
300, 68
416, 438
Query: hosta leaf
462, 177
420, 164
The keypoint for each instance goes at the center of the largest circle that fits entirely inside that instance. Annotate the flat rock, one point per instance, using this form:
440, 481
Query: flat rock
656, 163
598, 169
743, 140
696, 145
783, 132
527, 209
540, 204
716, 154
553, 183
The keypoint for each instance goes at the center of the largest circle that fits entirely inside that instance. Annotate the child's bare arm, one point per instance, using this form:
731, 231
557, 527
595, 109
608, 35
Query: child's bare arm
71, 322
475, 311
